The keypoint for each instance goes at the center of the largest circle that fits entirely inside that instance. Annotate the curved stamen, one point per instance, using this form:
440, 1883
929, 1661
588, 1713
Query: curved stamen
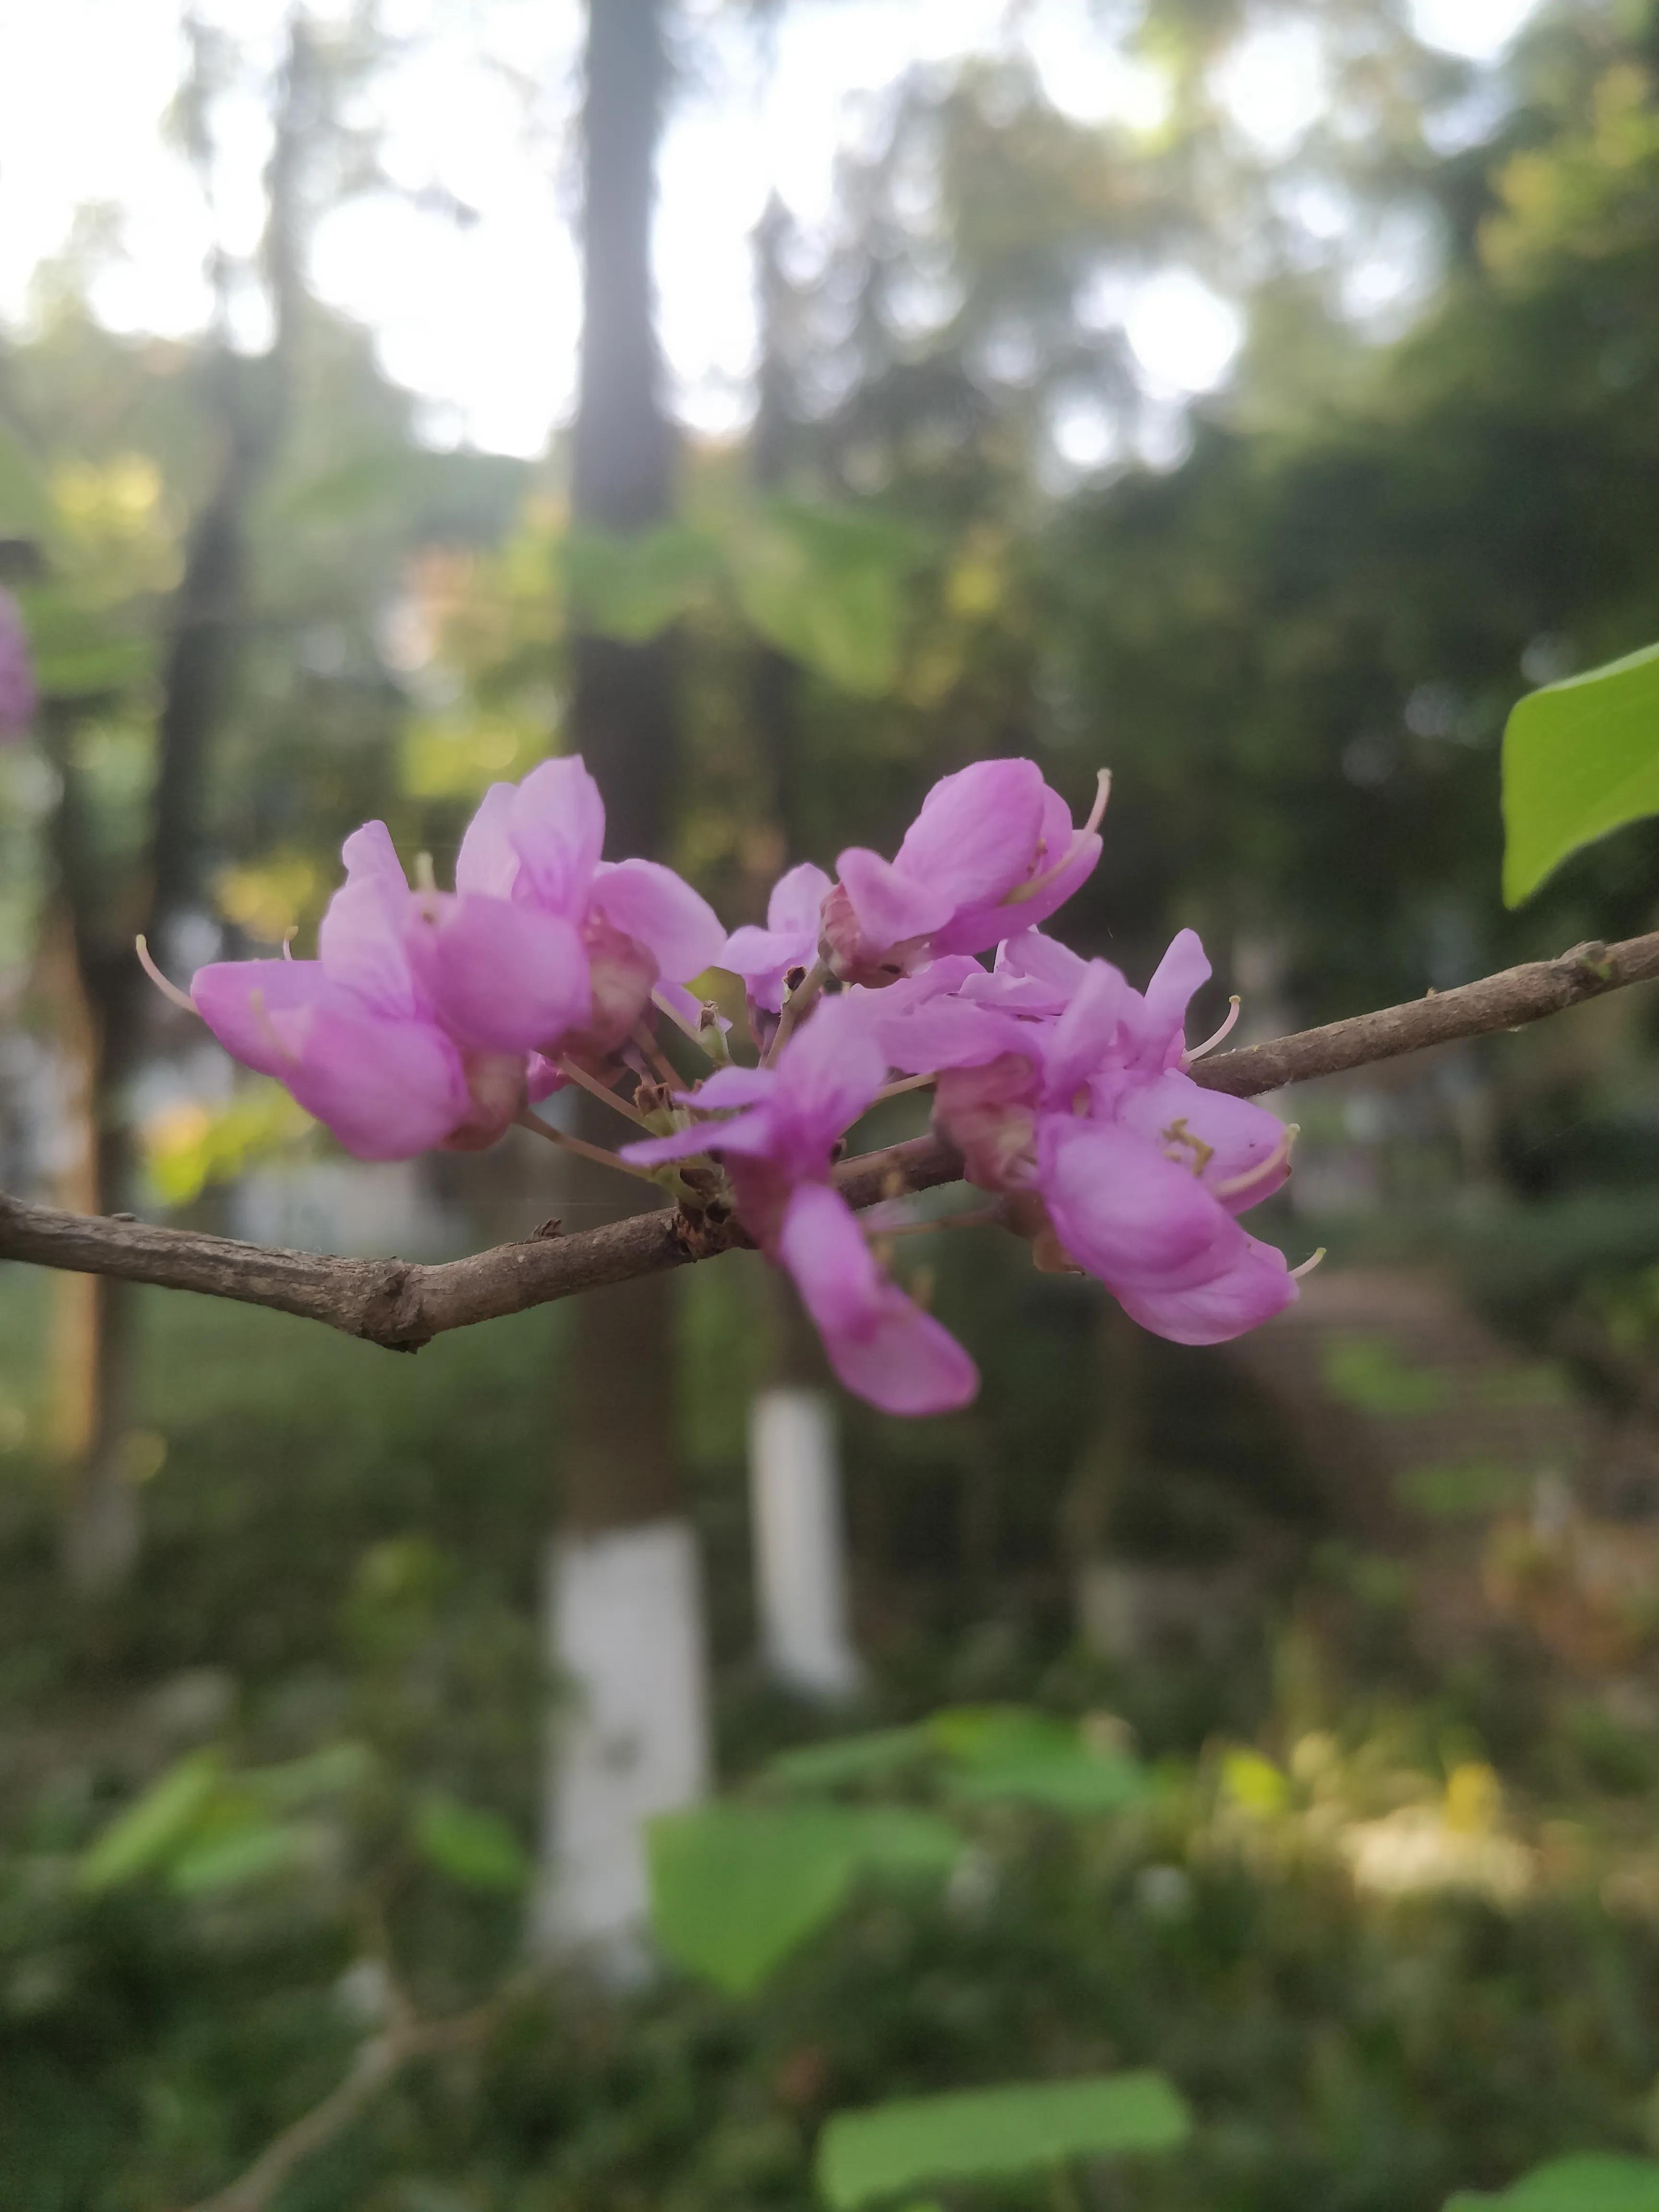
1308, 1265
1259, 1173
168, 990
288, 942
1198, 1051
1021, 892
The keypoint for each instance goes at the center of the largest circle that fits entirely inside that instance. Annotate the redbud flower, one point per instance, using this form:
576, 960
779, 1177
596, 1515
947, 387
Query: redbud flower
777, 1150
351, 1033
992, 851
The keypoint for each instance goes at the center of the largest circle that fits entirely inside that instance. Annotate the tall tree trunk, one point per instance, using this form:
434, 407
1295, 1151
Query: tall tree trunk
1105, 1588
794, 1451
625, 1627
103, 999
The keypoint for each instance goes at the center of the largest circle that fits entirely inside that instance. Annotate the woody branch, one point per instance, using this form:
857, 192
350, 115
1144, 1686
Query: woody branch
403, 1305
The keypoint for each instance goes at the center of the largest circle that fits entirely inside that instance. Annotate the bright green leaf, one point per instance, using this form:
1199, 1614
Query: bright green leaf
1590, 2183
151, 1830
989, 2135
470, 1844
735, 1888
827, 586
1581, 757
1008, 1754
248, 1853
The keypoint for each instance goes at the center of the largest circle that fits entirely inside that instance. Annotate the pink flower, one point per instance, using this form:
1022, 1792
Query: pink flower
882, 1346
351, 1033
765, 957
544, 946
18, 696
993, 850
777, 1150
1139, 1172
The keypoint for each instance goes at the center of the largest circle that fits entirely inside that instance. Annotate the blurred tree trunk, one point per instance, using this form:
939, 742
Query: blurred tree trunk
1103, 1587
625, 1627
796, 1509
102, 997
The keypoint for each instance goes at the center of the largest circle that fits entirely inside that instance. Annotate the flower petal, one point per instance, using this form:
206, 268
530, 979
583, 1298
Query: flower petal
237, 998
796, 901
977, 834
1256, 1286
1219, 1140
890, 906
738, 1086
499, 977
1085, 1033
882, 1347
556, 827
386, 1089
764, 957
1124, 1211
1179, 973
652, 905
361, 938
487, 862
829, 1073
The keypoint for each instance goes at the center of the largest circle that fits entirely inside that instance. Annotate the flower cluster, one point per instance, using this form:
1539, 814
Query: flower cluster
435, 1018
432, 1018
18, 698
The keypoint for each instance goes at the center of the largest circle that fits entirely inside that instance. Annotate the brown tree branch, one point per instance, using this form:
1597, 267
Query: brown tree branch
377, 2062
401, 1305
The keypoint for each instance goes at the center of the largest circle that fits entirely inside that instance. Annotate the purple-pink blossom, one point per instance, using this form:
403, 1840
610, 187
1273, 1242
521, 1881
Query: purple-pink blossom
777, 1150
993, 850
432, 1018
1070, 1091
18, 696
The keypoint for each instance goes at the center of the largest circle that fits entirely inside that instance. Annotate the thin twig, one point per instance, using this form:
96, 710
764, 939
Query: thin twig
401, 1305
575, 1073
377, 2063
909, 1083
597, 1153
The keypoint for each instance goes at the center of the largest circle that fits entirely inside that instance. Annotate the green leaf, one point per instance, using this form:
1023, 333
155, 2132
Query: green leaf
1581, 757
151, 1830
990, 2135
631, 587
893, 1840
1009, 1754
1591, 2183
878, 1753
470, 1844
736, 1888
332, 1773
826, 585
248, 1853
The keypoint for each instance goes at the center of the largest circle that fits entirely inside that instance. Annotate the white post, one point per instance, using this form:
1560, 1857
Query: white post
794, 1478
631, 1734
